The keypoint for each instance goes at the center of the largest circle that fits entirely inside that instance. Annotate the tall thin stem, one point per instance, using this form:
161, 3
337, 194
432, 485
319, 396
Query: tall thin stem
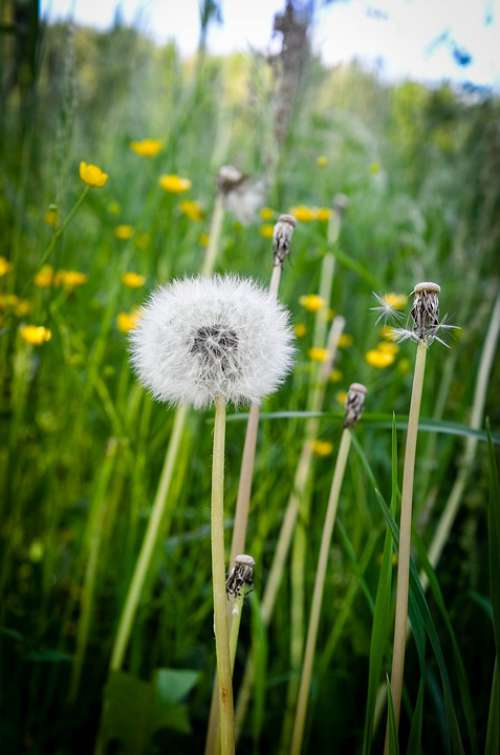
398, 656
148, 545
319, 584
214, 236
221, 627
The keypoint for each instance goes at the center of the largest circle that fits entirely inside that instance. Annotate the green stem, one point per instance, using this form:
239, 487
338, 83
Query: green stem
214, 237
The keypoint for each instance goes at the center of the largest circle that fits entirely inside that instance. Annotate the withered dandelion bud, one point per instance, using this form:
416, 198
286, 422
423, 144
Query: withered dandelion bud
354, 404
282, 237
229, 178
241, 575
425, 310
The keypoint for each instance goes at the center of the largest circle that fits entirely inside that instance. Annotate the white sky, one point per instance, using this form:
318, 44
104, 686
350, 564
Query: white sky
398, 32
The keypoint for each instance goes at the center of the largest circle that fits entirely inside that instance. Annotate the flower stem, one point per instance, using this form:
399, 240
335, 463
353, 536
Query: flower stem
401, 618
319, 584
221, 627
213, 236
149, 543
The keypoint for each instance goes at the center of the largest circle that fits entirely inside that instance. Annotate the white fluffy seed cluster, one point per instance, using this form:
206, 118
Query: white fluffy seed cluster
199, 338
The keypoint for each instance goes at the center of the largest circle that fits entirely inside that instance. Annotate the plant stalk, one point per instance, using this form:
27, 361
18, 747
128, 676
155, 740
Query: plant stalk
213, 237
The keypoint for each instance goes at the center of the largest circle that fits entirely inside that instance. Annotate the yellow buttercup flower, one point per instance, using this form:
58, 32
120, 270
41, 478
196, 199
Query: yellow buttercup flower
44, 277
5, 266
387, 332
379, 359
300, 330
127, 321
323, 213
174, 184
70, 278
124, 232
396, 301
317, 354
322, 161
35, 334
312, 302
322, 447
267, 230
335, 376
92, 175
133, 280
146, 147
266, 213
389, 347
345, 341
52, 216
191, 209
341, 397
204, 239
303, 214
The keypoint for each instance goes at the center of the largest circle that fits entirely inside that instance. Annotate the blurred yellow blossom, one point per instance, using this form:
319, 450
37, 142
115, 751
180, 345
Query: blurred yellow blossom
300, 330
142, 240
204, 239
322, 161
345, 340
322, 447
312, 302
404, 366
389, 347
44, 277
92, 175
35, 334
52, 216
303, 214
8, 300
323, 213
5, 266
133, 280
387, 332
341, 397
174, 184
22, 308
266, 213
374, 168
127, 321
266, 230
146, 147
379, 359
114, 207
124, 232
317, 354
396, 301
191, 209
70, 278
335, 376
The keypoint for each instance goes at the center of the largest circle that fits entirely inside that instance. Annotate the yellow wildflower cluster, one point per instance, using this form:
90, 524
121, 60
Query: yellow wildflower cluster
5, 266
44, 277
395, 301
345, 341
146, 147
318, 354
312, 302
322, 447
124, 232
47, 277
307, 214
20, 307
35, 335
378, 358
127, 321
174, 184
267, 214
300, 330
133, 280
266, 230
191, 209
92, 175
388, 333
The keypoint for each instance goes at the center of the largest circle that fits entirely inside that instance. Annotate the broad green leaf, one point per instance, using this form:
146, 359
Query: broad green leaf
172, 685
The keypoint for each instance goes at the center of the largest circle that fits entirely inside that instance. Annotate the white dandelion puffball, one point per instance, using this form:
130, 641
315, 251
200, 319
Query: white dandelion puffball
200, 338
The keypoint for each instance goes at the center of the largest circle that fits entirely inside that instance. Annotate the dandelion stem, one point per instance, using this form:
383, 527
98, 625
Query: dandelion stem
319, 583
401, 618
224, 676
149, 543
214, 236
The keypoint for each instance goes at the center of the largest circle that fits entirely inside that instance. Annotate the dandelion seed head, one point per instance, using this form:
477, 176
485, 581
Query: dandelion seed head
282, 238
241, 575
200, 338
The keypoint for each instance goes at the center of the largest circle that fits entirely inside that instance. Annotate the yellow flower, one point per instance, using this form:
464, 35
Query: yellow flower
345, 341
387, 332
396, 301
374, 168
379, 359
404, 366
146, 147
5, 266
127, 321
266, 213
44, 277
114, 207
70, 278
22, 308
124, 232
35, 334
191, 209
322, 447
317, 354
303, 213
133, 280
388, 347
92, 175
266, 230
174, 184
300, 330
312, 302
335, 376
52, 216
204, 239
323, 213
341, 397
8, 300
322, 161
142, 240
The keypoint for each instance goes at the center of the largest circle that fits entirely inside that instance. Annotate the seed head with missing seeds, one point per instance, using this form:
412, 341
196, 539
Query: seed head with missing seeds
241, 575
424, 316
354, 404
282, 237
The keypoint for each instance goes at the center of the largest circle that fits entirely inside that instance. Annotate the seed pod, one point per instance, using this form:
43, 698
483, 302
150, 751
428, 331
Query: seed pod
354, 404
282, 237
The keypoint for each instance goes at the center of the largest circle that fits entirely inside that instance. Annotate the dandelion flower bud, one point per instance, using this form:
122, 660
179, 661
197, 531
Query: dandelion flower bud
201, 338
425, 310
354, 404
282, 237
240, 576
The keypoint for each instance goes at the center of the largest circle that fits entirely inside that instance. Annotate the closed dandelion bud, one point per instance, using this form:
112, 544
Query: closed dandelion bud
229, 178
241, 575
282, 237
425, 310
354, 404
202, 338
